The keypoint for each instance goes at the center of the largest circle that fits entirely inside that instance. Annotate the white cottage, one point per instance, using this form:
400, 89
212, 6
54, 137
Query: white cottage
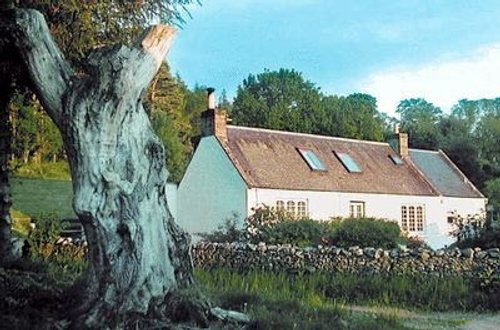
236, 168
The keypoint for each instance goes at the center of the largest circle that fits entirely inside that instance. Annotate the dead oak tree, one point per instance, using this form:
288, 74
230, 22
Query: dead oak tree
139, 258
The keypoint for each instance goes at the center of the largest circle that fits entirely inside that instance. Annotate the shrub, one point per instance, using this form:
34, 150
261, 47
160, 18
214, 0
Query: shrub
366, 232
65, 262
43, 237
413, 242
263, 218
302, 233
468, 228
487, 238
227, 232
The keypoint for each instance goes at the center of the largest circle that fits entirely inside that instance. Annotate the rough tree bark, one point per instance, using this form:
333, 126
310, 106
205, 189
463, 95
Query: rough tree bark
8, 70
138, 256
5, 141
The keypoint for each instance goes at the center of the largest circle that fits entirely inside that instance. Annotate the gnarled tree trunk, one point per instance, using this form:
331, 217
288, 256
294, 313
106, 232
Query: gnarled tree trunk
5, 141
138, 256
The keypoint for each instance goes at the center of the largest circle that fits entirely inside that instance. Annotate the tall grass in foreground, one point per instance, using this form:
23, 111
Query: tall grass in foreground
326, 289
278, 301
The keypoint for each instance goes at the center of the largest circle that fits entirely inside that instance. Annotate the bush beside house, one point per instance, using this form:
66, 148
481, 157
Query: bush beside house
277, 227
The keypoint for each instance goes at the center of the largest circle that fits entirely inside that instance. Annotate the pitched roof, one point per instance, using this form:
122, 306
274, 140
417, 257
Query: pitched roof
443, 174
271, 159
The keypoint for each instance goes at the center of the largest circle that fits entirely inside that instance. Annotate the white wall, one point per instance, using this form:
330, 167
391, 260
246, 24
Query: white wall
324, 205
171, 191
210, 191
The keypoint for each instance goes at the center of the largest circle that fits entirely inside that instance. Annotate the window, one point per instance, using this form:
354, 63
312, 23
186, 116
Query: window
420, 218
301, 210
296, 209
348, 162
396, 159
404, 218
312, 160
290, 207
357, 209
412, 218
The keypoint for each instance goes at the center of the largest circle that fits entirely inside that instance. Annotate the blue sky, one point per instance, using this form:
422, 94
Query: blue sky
442, 50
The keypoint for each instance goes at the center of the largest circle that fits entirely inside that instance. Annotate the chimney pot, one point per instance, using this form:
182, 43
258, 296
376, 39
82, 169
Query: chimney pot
214, 120
211, 97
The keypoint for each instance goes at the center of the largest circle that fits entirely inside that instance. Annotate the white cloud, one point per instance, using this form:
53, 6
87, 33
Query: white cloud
442, 82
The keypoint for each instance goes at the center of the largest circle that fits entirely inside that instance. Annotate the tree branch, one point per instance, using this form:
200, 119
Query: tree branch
157, 41
49, 72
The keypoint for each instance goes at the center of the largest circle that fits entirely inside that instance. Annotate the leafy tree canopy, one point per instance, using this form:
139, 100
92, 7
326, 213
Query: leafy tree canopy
166, 100
420, 119
355, 116
79, 26
285, 100
280, 99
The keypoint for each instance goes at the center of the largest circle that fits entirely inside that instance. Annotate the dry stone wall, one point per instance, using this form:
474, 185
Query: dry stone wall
245, 256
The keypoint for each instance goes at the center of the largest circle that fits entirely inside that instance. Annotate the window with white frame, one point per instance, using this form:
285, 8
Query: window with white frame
290, 207
356, 209
301, 210
412, 218
280, 206
294, 208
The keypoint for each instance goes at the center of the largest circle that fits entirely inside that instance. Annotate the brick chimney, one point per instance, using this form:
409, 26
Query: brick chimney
400, 142
213, 120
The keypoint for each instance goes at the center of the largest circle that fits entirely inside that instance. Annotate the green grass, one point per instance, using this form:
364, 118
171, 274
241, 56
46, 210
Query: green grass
426, 293
281, 301
33, 197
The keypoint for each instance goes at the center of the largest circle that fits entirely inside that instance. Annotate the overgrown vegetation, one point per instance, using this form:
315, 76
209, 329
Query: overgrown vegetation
487, 238
277, 227
42, 170
412, 291
280, 301
65, 262
229, 231
45, 284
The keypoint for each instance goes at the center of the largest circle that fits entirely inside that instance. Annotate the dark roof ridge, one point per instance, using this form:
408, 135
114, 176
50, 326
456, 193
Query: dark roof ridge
266, 130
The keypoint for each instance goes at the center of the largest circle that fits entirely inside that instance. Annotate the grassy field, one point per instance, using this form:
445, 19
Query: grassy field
346, 301
36, 196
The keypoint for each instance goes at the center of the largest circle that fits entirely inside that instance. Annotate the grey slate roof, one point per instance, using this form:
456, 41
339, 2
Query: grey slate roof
440, 171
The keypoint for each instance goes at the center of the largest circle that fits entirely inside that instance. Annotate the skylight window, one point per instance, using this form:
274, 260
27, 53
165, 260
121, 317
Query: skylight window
396, 159
312, 160
349, 163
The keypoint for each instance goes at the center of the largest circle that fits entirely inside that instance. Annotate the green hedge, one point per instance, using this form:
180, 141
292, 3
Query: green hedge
366, 232
363, 232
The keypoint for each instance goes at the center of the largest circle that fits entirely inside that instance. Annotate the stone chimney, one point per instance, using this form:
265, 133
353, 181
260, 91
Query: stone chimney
403, 144
400, 142
213, 120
